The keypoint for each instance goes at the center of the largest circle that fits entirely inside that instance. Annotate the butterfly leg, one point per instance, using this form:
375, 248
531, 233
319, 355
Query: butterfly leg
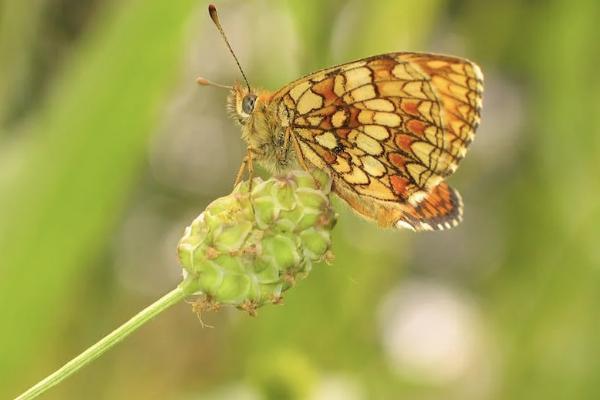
286, 137
299, 155
246, 164
240, 174
250, 164
290, 134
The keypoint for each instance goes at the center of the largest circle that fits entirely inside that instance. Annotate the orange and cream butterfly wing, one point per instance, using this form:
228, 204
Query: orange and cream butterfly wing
390, 128
441, 209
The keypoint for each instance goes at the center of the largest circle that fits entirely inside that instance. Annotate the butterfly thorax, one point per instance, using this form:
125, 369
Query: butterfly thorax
261, 129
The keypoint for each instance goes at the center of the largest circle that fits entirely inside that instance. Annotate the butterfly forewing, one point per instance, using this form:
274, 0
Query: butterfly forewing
389, 127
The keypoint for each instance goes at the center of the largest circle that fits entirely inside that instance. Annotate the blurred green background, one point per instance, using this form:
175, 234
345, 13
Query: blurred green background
108, 150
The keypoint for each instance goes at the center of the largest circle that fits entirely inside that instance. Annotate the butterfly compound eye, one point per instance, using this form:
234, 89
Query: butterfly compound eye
248, 103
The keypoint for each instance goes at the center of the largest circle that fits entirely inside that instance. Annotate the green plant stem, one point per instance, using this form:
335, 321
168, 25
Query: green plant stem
96, 350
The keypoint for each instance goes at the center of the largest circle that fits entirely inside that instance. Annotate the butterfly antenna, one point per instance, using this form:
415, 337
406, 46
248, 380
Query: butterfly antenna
205, 82
212, 10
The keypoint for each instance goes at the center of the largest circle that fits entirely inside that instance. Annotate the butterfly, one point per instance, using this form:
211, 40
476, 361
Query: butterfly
388, 129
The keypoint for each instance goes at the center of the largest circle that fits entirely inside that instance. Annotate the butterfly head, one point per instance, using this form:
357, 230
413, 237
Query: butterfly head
241, 103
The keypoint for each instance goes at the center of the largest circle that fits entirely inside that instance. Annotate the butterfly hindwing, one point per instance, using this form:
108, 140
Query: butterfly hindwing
441, 209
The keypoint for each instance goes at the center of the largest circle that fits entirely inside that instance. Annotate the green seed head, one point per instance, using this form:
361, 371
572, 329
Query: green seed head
247, 248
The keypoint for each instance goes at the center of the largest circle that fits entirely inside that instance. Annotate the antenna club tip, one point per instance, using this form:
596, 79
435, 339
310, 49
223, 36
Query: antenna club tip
205, 82
212, 11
